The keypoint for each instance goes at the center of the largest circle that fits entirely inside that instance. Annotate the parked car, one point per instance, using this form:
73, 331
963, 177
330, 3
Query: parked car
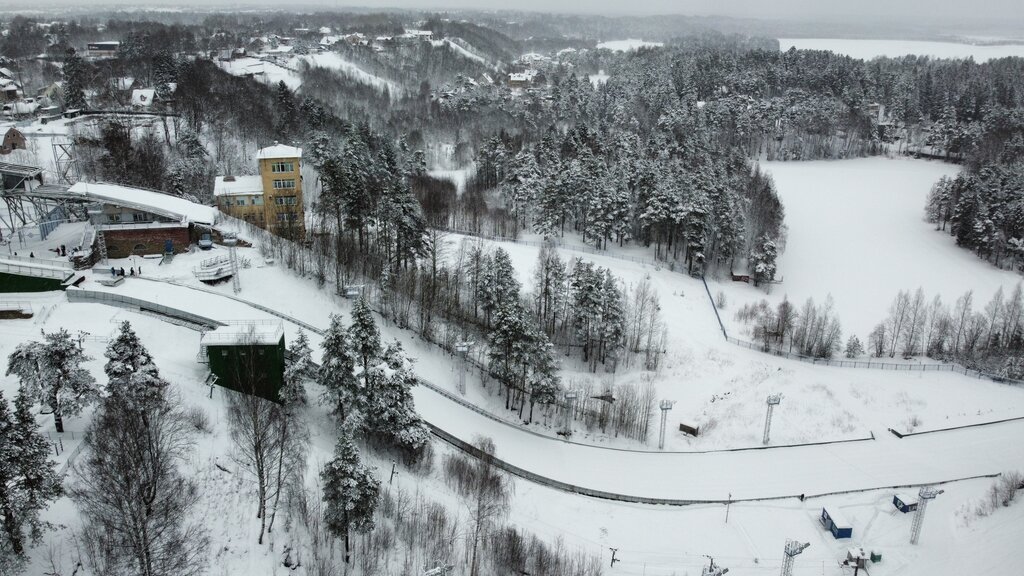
205, 242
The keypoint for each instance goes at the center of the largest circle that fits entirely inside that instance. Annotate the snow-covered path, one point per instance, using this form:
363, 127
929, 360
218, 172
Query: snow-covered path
687, 476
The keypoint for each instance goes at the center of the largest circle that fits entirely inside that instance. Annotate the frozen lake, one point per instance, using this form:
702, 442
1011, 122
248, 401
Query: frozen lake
868, 49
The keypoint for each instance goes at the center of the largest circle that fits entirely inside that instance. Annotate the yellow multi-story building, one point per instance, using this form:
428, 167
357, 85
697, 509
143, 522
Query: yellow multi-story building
273, 200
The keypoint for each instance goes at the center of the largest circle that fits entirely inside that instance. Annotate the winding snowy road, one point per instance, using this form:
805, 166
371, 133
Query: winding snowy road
749, 474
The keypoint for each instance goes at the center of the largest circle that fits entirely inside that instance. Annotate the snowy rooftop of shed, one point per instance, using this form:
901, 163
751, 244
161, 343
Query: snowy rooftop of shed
279, 151
237, 185
837, 517
148, 201
245, 332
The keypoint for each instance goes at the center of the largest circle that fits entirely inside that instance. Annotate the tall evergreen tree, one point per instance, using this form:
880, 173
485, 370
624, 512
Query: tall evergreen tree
28, 482
52, 374
351, 492
337, 370
133, 378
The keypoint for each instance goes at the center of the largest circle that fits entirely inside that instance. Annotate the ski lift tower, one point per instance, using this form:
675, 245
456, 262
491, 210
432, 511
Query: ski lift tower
773, 401
925, 495
665, 406
793, 548
231, 241
463, 347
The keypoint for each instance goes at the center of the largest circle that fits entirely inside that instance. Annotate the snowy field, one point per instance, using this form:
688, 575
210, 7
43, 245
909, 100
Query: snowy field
857, 232
597, 79
868, 49
628, 44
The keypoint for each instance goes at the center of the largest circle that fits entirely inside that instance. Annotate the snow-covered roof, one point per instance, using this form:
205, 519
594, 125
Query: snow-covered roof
906, 498
148, 201
6, 72
837, 517
237, 185
143, 97
241, 333
279, 151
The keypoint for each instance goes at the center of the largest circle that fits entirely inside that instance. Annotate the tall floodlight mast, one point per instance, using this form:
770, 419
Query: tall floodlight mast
773, 401
665, 406
792, 549
925, 495
463, 347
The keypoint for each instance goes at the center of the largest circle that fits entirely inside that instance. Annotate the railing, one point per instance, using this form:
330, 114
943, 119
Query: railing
113, 299
12, 306
35, 271
211, 262
59, 261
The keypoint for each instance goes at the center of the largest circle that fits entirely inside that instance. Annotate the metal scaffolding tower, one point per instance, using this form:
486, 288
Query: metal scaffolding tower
773, 401
66, 161
789, 553
925, 495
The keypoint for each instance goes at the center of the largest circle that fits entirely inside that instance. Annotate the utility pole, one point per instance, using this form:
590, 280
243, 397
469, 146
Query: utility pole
793, 548
614, 559
463, 347
727, 503
665, 406
924, 495
773, 401
393, 472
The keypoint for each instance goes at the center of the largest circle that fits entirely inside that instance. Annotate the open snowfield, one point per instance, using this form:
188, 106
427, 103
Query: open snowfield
628, 44
857, 232
868, 49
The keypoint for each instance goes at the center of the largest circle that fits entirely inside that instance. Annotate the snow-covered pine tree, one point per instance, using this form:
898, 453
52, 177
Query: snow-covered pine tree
74, 80
364, 337
391, 412
350, 490
298, 368
762, 260
342, 390
28, 482
132, 376
854, 349
52, 374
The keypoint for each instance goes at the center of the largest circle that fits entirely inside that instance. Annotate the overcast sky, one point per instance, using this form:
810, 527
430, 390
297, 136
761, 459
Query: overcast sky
907, 11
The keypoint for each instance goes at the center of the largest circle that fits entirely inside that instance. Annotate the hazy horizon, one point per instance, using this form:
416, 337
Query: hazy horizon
909, 12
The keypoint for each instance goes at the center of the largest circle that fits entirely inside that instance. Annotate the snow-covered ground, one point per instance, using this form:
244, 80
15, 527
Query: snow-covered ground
263, 71
599, 78
857, 232
750, 543
868, 49
459, 49
628, 44
457, 176
336, 62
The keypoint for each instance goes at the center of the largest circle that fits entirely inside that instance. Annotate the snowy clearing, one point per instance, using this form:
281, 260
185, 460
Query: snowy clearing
857, 232
868, 49
628, 44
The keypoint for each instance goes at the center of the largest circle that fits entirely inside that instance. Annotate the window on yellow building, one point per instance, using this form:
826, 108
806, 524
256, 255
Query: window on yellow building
282, 184
277, 167
286, 201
